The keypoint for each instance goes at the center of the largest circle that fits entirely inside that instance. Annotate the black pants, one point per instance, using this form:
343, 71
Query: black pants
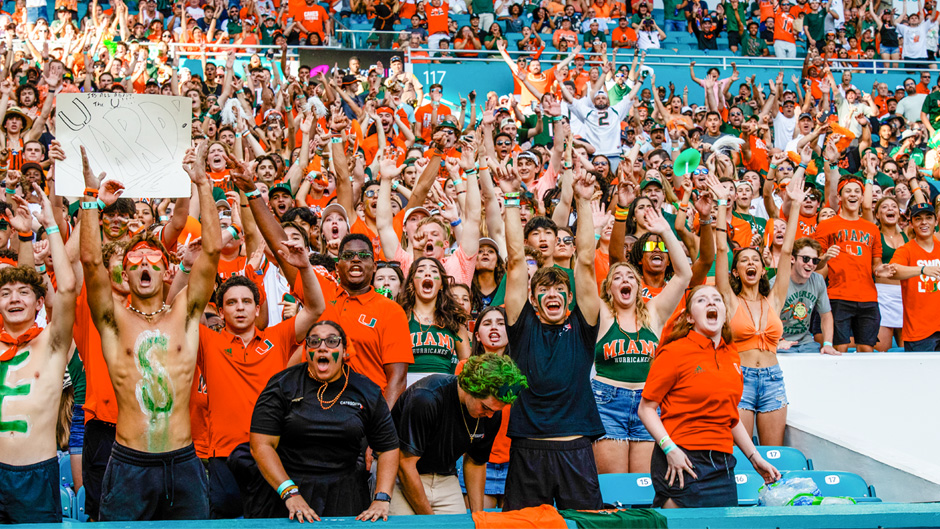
714, 485
142, 486
96, 452
546, 472
30, 493
225, 499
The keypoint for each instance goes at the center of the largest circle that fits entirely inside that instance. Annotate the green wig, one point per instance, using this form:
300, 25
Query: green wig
492, 374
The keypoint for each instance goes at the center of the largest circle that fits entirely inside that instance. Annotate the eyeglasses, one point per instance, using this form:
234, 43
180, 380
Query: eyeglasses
349, 255
654, 246
601, 162
370, 193
154, 257
438, 90
387, 264
503, 143
808, 259
531, 262
567, 241
332, 341
736, 114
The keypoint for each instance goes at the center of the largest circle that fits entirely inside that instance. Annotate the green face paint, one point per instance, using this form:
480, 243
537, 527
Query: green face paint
18, 426
156, 268
116, 274
564, 299
133, 267
335, 356
439, 244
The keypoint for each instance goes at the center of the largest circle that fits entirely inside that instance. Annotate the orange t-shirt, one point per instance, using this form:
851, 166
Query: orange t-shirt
100, 402
423, 116
766, 9
377, 330
360, 226
921, 294
783, 27
698, 388
623, 35
540, 82
648, 292
437, 18
758, 161
235, 267
499, 453
601, 267
236, 373
602, 10
566, 34
312, 18
543, 516
199, 415
922, 88
850, 273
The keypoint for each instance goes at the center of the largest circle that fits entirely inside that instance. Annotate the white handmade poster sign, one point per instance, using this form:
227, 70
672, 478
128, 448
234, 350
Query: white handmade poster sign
138, 140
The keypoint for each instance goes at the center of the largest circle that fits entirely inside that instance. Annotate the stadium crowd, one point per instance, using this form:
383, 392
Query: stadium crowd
363, 275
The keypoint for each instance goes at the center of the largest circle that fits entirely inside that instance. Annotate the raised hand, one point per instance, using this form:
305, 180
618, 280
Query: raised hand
584, 186
795, 190
656, 222
20, 220
388, 169
294, 253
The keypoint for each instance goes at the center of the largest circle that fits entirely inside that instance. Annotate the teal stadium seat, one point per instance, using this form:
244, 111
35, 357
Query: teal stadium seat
78, 510
783, 457
628, 490
67, 498
65, 471
748, 484
833, 483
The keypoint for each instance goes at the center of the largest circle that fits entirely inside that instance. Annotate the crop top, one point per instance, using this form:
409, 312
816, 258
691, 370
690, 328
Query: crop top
744, 330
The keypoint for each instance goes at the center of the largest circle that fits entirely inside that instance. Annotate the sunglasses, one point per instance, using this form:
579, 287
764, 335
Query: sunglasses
332, 342
503, 143
370, 193
531, 262
568, 241
700, 171
654, 246
808, 259
387, 264
154, 257
349, 255
601, 162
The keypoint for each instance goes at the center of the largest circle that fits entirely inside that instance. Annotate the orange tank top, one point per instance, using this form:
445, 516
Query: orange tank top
763, 334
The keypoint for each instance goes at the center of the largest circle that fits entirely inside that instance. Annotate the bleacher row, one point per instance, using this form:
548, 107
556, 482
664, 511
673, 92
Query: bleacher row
626, 490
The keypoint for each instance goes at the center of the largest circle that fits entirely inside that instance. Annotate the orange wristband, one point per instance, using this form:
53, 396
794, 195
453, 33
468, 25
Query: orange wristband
91, 192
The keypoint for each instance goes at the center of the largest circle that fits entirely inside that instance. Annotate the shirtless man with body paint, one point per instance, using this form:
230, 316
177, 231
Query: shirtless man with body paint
32, 365
150, 349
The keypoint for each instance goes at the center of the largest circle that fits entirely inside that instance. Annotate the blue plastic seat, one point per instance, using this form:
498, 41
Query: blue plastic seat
78, 511
65, 471
628, 490
833, 483
783, 457
748, 483
66, 497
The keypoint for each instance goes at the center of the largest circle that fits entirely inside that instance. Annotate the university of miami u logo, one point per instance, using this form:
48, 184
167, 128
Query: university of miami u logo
370, 324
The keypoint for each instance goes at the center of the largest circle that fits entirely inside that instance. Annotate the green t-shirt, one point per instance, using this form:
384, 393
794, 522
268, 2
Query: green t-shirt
728, 128
670, 11
543, 138
732, 24
753, 46
814, 24
76, 371
434, 348
757, 224
482, 6
932, 108
591, 37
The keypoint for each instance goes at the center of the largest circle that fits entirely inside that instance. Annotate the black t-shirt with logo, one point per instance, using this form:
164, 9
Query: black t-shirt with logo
556, 360
314, 440
433, 424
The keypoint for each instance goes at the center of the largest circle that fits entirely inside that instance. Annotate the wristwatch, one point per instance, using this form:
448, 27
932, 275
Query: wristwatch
382, 496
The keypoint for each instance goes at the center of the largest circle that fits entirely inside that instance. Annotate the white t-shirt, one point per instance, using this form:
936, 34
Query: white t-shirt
915, 39
831, 24
647, 40
602, 127
783, 129
910, 106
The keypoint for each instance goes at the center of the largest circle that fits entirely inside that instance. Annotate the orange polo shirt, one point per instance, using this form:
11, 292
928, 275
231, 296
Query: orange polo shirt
377, 330
235, 374
100, 402
698, 388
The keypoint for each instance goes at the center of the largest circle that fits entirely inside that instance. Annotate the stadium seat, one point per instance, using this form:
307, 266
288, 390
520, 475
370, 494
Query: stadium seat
628, 490
832, 483
783, 457
748, 484
66, 497
78, 511
65, 471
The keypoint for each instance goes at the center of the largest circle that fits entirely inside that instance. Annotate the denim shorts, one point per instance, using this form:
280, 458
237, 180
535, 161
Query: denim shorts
889, 49
808, 347
495, 478
763, 389
618, 408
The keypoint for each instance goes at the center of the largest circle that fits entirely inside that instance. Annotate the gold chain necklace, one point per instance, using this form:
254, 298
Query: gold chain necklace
465, 425
322, 391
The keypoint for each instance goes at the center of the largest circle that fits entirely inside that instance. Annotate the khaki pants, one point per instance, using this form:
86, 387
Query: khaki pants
443, 494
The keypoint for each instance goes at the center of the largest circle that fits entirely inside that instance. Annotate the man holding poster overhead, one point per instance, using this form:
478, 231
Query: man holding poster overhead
150, 349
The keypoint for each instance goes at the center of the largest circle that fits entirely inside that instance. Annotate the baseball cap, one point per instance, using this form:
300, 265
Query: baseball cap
412, 211
922, 207
489, 242
396, 58
686, 109
218, 195
335, 208
284, 188
650, 181
806, 115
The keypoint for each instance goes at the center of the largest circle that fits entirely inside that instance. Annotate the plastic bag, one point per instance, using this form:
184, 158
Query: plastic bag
809, 499
781, 492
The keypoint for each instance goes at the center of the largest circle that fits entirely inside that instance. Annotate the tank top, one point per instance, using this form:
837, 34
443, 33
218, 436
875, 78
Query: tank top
625, 357
744, 331
434, 348
889, 36
887, 252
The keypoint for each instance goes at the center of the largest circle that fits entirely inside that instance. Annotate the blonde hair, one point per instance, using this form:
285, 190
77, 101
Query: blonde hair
640, 309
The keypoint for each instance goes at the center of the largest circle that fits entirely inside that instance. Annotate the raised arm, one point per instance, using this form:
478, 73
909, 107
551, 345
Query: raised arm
202, 276
60, 327
796, 193
663, 305
589, 302
722, 274
517, 276
97, 283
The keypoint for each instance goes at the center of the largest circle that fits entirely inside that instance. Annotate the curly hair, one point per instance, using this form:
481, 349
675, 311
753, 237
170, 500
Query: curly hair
642, 313
636, 254
763, 286
25, 275
683, 326
110, 249
448, 314
492, 375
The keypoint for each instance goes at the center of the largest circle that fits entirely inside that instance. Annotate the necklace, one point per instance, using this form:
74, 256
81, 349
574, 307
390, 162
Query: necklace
148, 315
465, 425
322, 391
